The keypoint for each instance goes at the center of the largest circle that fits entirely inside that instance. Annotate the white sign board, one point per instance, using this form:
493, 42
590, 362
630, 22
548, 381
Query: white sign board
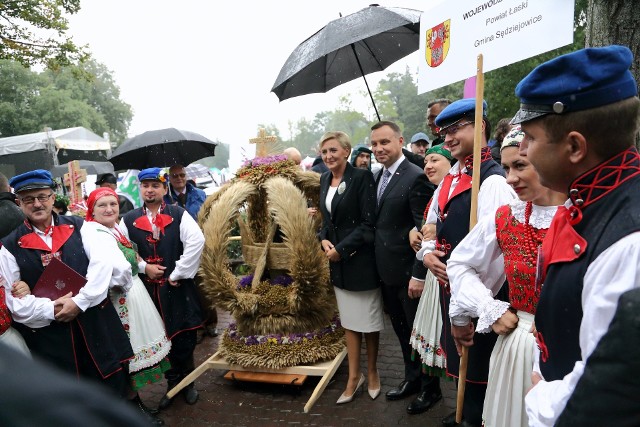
453, 33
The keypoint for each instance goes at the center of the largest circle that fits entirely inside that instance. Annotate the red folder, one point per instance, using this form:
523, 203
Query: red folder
57, 280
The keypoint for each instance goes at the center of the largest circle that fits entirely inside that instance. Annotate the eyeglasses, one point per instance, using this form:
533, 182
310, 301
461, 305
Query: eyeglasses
29, 200
452, 129
178, 175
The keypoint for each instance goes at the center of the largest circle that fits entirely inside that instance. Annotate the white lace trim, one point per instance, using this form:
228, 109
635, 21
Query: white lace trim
489, 313
541, 216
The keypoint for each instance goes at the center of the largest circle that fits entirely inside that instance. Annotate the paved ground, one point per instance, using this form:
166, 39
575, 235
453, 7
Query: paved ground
224, 403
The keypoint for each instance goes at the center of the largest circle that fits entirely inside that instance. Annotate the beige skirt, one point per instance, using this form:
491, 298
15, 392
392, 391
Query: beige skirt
427, 326
510, 376
360, 311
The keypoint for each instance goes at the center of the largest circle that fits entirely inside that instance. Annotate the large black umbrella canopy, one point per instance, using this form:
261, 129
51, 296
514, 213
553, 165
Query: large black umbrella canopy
162, 147
347, 48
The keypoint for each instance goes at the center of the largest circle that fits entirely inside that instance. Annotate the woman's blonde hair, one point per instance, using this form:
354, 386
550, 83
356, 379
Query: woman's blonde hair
342, 138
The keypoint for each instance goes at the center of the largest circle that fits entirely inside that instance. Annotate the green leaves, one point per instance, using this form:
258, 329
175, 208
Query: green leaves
71, 96
34, 32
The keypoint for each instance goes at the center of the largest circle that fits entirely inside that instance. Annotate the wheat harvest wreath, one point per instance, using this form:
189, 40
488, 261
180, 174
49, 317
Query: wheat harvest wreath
285, 310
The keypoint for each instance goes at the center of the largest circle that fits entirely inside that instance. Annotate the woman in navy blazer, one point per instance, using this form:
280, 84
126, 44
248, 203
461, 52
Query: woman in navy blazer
348, 205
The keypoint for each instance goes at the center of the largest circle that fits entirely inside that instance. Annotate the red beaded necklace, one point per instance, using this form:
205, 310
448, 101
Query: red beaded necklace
532, 241
121, 238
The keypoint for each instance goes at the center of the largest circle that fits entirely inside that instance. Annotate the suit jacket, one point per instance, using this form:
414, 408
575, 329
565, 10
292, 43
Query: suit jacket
401, 208
350, 227
416, 159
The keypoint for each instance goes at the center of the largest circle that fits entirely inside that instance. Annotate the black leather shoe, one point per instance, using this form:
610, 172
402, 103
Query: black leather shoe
190, 394
406, 388
450, 420
424, 402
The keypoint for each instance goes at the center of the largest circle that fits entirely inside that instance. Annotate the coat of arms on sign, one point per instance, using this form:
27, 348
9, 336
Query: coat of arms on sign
437, 45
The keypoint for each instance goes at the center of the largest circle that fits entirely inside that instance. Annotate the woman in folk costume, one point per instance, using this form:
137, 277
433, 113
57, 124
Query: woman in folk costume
427, 326
135, 308
515, 234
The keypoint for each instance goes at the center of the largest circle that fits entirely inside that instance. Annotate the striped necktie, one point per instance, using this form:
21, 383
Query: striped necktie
385, 180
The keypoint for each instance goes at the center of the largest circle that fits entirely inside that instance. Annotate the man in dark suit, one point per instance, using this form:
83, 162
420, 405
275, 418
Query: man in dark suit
402, 193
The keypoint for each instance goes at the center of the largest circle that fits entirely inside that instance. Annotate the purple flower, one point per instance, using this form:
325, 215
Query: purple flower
282, 280
260, 161
245, 281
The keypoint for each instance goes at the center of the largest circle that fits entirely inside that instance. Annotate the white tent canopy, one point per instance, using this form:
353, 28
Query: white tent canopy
77, 138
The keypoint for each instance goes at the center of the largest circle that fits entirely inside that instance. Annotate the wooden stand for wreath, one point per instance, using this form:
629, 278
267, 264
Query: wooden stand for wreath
324, 369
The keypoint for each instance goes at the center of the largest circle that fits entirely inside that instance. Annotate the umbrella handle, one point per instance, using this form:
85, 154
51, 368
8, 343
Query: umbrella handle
365, 80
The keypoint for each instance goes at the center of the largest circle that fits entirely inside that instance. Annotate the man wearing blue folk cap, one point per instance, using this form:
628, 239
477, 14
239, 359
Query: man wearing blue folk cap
82, 334
580, 115
170, 244
450, 212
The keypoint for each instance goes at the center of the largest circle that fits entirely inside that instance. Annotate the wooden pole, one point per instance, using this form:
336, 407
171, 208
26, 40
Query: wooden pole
473, 217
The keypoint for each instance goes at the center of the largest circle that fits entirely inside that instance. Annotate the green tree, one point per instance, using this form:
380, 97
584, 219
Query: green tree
220, 160
305, 136
60, 99
398, 93
99, 91
34, 32
58, 109
18, 88
399, 97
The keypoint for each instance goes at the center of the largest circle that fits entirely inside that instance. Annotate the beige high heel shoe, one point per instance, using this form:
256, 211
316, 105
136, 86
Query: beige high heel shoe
374, 392
346, 399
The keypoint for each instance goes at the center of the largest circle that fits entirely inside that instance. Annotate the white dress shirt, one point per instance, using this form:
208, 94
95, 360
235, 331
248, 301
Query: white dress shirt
476, 267
392, 170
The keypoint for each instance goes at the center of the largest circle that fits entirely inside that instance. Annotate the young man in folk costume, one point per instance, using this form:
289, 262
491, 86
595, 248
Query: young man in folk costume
450, 211
81, 334
170, 244
580, 116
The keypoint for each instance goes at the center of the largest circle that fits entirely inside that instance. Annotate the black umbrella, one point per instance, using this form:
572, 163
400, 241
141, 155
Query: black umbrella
163, 147
347, 48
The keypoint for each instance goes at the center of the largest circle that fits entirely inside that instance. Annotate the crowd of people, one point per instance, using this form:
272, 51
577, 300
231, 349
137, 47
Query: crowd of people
541, 295
538, 291
135, 319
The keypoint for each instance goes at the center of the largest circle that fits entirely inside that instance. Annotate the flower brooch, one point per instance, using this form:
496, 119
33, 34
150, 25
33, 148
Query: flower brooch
342, 187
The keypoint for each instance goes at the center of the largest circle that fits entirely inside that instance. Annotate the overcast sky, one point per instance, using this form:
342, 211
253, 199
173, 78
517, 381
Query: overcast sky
208, 66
